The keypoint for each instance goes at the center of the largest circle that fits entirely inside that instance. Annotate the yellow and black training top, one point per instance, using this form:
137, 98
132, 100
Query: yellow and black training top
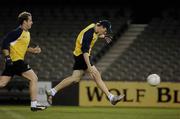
17, 42
85, 40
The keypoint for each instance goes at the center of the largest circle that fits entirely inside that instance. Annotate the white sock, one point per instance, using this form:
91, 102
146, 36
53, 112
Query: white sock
110, 96
33, 103
53, 91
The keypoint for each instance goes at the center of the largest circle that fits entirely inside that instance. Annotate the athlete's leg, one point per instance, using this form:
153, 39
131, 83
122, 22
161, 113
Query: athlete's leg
97, 77
4, 80
74, 78
32, 77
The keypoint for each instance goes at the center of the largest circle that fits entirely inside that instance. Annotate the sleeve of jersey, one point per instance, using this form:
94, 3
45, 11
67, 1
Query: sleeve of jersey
10, 37
86, 41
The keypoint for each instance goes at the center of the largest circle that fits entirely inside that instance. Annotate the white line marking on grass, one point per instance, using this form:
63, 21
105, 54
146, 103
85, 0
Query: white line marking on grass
13, 114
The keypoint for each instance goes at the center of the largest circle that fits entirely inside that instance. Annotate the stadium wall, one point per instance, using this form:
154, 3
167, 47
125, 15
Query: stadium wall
86, 93
137, 94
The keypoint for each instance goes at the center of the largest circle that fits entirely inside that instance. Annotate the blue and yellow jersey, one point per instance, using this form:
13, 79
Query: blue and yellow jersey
85, 40
17, 42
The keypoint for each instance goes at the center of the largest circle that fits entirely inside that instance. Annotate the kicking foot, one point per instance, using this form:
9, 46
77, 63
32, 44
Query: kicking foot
49, 97
116, 99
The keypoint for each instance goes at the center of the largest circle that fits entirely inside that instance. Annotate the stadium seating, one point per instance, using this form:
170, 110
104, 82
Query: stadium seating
55, 30
154, 51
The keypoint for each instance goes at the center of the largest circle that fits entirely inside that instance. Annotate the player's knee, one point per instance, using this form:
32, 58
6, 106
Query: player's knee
76, 79
34, 79
2, 84
97, 73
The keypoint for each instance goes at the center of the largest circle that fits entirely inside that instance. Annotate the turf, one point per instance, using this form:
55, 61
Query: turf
23, 112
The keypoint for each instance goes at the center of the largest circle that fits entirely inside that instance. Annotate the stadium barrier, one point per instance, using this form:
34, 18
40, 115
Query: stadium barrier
86, 93
137, 94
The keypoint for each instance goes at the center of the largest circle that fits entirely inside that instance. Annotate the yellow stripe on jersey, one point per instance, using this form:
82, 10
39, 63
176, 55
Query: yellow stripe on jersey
80, 39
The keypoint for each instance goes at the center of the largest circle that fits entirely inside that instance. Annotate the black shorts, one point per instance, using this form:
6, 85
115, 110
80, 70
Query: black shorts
80, 63
17, 68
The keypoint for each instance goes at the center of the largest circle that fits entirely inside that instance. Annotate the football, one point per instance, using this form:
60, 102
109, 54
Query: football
153, 79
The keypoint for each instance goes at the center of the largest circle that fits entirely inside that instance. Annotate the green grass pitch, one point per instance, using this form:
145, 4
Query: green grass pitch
58, 112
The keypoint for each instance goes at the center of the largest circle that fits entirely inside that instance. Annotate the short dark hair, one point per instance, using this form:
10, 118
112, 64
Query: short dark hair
106, 24
23, 16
